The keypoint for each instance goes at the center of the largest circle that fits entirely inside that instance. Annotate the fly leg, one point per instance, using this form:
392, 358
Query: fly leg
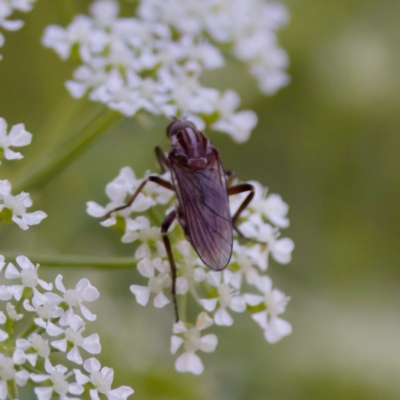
230, 177
156, 179
242, 187
162, 159
169, 219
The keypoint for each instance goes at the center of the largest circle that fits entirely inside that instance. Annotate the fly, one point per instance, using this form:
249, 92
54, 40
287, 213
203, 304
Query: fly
202, 188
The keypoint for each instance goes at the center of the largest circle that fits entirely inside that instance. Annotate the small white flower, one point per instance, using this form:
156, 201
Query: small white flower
36, 343
18, 205
28, 275
46, 307
239, 125
17, 137
192, 341
101, 379
227, 298
73, 335
58, 377
12, 312
156, 284
8, 373
83, 292
275, 328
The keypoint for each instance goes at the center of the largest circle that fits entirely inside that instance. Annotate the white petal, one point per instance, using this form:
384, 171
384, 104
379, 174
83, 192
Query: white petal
39, 377
87, 313
75, 388
261, 319
282, 250
94, 394
92, 344
65, 319
24, 262
176, 342
60, 344
208, 343
45, 285
19, 357
34, 218
253, 299
43, 393
238, 304
59, 283
5, 293
222, 317
12, 272
3, 384
3, 335
17, 291
182, 285
209, 304
19, 136
160, 300
12, 25
203, 321
189, 362
95, 210
53, 330
74, 355
32, 358
142, 294
277, 328
120, 393
80, 377
21, 377
92, 365
146, 268
90, 293
179, 327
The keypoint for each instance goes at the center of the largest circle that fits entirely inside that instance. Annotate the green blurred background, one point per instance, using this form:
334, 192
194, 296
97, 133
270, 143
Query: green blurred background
328, 143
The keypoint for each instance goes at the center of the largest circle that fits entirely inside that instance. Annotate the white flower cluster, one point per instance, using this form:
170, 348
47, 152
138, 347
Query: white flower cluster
7, 7
242, 286
54, 321
13, 208
154, 61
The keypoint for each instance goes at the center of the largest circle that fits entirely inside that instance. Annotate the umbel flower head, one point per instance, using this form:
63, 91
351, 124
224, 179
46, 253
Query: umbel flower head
242, 287
55, 317
7, 7
154, 61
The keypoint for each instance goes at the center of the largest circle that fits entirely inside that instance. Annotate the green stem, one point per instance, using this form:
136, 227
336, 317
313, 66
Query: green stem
65, 260
48, 167
12, 389
30, 329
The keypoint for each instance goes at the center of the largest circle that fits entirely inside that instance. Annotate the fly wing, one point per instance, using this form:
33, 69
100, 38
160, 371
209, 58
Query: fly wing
203, 200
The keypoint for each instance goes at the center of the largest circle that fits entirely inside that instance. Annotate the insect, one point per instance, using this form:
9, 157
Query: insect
202, 188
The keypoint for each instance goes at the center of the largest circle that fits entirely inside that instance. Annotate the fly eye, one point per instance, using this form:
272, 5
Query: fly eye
178, 125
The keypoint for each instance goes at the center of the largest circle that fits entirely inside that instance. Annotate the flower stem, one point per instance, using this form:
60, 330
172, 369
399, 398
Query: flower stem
66, 260
45, 168
31, 328
12, 389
